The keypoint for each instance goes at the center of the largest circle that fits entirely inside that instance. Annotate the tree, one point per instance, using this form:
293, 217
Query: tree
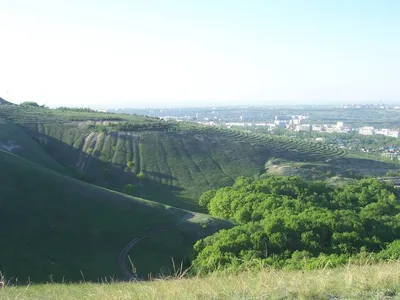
30, 103
141, 176
281, 220
206, 198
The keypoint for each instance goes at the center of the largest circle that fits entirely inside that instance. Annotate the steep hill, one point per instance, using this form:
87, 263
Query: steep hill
55, 227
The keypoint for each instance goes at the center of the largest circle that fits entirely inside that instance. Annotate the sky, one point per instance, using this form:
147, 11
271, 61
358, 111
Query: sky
176, 53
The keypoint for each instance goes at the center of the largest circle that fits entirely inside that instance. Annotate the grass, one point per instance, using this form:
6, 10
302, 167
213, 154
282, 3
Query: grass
380, 281
180, 165
32, 115
23, 145
58, 227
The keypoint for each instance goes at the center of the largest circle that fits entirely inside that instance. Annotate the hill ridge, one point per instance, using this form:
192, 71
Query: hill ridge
4, 102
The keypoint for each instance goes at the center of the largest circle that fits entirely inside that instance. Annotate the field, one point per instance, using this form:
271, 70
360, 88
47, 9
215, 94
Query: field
56, 227
381, 281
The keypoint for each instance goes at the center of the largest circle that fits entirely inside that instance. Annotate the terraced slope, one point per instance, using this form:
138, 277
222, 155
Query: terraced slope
168, 162
55, 227
178, 166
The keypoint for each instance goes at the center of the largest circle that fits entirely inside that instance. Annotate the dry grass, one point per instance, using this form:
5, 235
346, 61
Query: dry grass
380, 281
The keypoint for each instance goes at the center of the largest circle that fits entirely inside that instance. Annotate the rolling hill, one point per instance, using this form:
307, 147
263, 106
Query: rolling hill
58, 228
176, 162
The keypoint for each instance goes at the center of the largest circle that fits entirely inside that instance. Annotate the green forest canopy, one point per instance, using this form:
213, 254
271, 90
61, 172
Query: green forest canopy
281, 220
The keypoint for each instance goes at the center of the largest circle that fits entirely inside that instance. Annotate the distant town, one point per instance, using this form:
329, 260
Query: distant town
327, 124
264, 117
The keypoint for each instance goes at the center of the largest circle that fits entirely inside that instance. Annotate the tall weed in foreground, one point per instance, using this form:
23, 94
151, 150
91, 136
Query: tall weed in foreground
353, 281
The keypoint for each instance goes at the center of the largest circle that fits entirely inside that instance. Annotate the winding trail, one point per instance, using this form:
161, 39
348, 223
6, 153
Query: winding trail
128, 275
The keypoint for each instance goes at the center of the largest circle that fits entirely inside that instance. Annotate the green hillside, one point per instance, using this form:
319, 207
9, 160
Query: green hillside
56, 227
15, 139
2, 101
176, 162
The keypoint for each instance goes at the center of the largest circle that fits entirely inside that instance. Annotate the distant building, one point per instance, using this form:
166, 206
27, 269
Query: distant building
318, 128
367, 130
388, 132
101, 110
304, 127
297, 121
393, 133
283, 118
383, 131
280, 124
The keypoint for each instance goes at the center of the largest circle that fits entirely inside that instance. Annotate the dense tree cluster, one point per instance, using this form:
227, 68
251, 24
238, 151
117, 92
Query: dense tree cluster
30, 103
151, 125
77, 109
281, 220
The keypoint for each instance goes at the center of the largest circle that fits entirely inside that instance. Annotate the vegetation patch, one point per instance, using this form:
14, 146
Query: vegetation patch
294, 223
58, 228
365, 281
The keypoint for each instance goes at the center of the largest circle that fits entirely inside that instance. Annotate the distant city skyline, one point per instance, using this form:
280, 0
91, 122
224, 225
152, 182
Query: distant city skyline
156, 54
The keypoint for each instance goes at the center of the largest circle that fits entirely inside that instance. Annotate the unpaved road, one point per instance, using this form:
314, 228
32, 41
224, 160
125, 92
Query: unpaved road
128, 275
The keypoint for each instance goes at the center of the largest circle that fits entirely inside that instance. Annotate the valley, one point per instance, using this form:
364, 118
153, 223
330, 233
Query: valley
107, 180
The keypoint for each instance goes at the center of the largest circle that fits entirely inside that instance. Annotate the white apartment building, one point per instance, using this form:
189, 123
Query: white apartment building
367, 130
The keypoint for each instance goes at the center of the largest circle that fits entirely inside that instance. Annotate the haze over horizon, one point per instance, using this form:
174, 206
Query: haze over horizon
205, 53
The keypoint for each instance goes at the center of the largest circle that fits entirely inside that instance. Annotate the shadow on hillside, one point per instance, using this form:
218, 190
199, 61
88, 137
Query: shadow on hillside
185, 235
363, 166
161, 175
116, 177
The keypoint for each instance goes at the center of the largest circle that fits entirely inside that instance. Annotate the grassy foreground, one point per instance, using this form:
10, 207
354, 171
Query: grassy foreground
380, 281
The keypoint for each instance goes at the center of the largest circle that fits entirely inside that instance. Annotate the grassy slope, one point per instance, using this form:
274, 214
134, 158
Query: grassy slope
57, 226
14, 137
346, 166
180, 165
4, 102
30, 115
381, 281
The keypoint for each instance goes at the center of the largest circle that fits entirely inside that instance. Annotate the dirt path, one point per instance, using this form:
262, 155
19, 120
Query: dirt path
128, 275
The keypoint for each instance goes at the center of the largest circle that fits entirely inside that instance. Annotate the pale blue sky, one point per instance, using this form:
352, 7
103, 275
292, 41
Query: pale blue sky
189, 53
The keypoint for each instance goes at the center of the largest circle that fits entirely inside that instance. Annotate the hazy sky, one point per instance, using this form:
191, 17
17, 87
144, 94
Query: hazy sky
146, 53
